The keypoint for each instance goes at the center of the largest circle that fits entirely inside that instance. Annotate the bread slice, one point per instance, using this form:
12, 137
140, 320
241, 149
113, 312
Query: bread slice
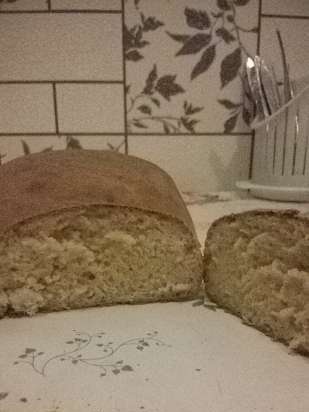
256, 265
83, 228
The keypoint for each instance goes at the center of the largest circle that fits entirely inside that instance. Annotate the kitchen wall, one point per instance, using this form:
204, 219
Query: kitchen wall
159, 79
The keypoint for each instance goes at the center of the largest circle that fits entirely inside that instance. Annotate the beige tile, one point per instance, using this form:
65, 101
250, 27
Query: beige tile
86, 4
26, 108
294, 7
157, 48
90, 108
25, 5
60, 47
295, 35
12, 147
198, 163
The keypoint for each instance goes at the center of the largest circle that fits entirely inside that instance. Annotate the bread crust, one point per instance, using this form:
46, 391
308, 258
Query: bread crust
48, 183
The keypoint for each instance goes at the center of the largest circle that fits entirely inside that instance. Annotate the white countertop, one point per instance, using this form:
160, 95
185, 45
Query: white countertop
173, 357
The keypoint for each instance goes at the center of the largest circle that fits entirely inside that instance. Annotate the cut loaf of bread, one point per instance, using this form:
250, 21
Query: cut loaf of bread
257, 266
83, 228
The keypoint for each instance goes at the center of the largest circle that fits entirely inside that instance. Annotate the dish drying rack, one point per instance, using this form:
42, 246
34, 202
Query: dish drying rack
280, 169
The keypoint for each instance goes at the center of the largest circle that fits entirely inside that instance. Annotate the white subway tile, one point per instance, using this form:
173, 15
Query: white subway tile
60, 46
26, 108
198, 163
25, 5
90, 108
286, 7
12, 147
86, 4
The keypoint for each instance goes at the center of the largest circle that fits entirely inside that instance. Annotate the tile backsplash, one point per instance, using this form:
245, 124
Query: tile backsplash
157, 79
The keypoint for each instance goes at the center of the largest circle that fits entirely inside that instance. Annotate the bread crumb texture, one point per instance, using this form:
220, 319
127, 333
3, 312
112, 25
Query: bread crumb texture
96, 256
257, 266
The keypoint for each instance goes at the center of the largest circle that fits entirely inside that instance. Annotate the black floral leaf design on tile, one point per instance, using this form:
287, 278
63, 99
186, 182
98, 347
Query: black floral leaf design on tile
3, 395
205, 62
8, 1
137, 123
246, 115
241, 2
73, 143
134, 55
161, 86
198, 19
134, 39
189, 109
150, 81
167, 87
150, 23
189, 124
156, 101
127, 368
225, 34
144, 108
224, 4
26, 148
228, 104
136, 3
30, 350
230, 66
223, 27
230, 123
195, 44
181, 38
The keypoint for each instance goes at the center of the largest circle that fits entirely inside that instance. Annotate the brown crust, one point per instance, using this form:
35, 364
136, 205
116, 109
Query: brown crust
43, 183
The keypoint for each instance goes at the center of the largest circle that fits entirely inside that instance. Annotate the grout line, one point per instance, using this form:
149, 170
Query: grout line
284, 16
54, 134
258, 46
258, 49
63, 133
56, 108
126, 139
50, 11
191, 134
61, 82
49, 5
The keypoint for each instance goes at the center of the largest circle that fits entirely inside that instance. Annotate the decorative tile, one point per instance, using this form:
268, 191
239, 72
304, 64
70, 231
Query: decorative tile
23, 5
286, 7
12, 147
60, 47
197, 163
86, 4
26, 108
295, 36
115, 143
183, 61
90, 108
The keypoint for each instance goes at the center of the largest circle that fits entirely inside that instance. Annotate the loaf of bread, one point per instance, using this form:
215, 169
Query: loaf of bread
256, 266
83, 228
